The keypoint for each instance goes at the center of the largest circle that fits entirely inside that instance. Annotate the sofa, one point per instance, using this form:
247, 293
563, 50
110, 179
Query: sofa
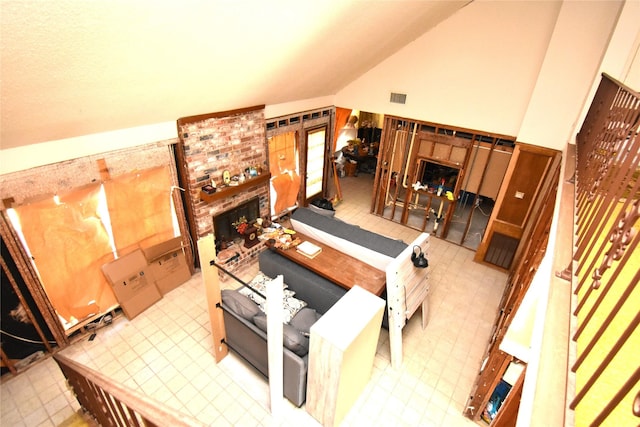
245, 324
316, 293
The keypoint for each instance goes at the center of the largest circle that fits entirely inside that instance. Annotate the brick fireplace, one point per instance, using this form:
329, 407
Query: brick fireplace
223, 227
212, 144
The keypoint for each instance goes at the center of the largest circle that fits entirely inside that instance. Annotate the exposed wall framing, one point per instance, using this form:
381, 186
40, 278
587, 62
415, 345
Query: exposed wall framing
300, 123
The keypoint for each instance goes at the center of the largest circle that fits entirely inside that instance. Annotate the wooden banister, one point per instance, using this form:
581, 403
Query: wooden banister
111, 403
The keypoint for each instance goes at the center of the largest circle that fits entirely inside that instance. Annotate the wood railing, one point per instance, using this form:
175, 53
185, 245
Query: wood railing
607, 260
112, 404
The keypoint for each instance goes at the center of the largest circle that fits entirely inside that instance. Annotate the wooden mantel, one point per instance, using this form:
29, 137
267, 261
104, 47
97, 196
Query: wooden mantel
223, 192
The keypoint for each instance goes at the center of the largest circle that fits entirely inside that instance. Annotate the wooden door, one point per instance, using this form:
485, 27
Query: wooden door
530, 177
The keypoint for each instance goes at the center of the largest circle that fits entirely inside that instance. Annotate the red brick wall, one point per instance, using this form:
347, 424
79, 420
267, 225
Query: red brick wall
212, 145
58, 178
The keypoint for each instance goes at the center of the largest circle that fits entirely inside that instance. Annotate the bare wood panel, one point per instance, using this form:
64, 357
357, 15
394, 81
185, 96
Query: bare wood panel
442, 151
495, 167
529, 171
207, 253
426, 148
404, 279
341, 353
458, 155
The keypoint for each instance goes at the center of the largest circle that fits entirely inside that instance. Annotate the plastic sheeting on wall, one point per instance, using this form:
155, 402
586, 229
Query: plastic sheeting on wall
72, 236
69, 245
283, 165
140, 209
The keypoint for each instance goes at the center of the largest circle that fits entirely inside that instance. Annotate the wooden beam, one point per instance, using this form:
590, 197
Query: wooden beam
104, 170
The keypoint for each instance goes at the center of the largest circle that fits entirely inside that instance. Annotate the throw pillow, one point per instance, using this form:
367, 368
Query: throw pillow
291, 337
240, 304
305, 319
291, 305
259, 283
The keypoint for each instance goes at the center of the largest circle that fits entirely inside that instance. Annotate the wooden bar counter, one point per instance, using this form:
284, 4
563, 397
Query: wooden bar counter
338, 267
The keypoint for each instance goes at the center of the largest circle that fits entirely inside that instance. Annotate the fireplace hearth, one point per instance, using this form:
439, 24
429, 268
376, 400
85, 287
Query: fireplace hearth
224, 231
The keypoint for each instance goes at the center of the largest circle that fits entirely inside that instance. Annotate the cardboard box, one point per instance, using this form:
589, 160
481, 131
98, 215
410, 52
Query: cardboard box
132, 283
168, 264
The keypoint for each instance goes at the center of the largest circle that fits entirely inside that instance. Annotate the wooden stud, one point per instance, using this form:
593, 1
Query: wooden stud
104, 170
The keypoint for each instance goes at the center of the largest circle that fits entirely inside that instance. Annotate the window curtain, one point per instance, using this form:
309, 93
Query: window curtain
140, 209
69, 244
285, 178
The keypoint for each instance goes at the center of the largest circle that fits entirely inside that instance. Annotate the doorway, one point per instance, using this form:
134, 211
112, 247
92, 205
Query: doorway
439, 179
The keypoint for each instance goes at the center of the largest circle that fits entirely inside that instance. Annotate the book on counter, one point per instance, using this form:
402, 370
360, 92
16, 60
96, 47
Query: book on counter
308, 249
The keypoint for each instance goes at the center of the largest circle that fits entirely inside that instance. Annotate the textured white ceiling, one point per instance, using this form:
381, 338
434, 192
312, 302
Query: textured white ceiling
71, 67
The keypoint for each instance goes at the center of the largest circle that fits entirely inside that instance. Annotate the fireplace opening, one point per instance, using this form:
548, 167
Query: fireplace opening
223, 228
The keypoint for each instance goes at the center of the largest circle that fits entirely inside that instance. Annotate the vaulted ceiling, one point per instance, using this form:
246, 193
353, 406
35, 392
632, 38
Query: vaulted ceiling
71, 68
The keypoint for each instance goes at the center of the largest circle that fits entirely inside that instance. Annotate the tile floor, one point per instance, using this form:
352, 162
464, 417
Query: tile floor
166, 352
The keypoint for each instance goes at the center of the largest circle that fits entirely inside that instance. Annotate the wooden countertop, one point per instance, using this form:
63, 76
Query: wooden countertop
338, 267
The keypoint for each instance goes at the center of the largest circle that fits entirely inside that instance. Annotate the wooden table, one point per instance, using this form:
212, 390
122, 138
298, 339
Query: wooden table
338, 267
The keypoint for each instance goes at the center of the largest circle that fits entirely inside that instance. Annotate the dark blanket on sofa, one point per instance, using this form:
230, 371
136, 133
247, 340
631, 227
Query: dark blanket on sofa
350, 232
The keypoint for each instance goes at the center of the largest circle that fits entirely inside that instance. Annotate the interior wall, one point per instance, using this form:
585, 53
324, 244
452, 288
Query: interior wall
60, 177
505, 66
570, 67
287, 108
477, 69
50, 152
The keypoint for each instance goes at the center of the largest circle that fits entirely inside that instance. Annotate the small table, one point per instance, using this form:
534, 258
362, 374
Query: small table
338, 267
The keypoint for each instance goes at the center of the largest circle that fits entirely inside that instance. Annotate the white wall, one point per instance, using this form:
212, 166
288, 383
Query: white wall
495, 66
277, 110
570, 69
30, 156
518, 68
477, 69
45, 153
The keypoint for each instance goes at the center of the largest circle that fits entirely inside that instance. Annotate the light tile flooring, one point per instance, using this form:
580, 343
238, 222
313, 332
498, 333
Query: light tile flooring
166, 352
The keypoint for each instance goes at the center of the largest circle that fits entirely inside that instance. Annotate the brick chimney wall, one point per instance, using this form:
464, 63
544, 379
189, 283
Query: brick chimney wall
215, 144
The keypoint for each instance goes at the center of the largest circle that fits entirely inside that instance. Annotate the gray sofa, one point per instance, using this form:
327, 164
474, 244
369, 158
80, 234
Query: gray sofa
247, 336
248, 340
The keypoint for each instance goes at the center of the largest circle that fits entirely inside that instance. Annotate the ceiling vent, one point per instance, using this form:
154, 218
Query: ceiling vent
398, 98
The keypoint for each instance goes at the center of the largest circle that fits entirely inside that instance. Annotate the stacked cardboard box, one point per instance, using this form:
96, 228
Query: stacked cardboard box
141, 278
